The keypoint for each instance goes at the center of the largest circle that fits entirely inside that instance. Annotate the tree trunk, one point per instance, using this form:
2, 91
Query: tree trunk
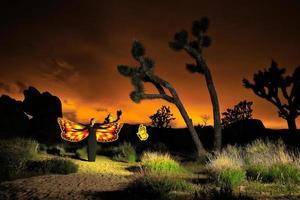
175, 100
292, 124
200, 149
216, 109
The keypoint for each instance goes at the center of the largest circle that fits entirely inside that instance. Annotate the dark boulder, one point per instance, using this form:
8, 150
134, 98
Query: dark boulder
243, 131
44, 109
13, 120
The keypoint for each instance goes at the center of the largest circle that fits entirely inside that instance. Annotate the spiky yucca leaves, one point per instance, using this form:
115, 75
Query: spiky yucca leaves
194, 47
144, 72
269, 83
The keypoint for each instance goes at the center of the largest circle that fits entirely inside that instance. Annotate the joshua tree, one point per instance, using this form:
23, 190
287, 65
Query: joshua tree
162, 118
269, 83
194, 48
241, 111
145, 73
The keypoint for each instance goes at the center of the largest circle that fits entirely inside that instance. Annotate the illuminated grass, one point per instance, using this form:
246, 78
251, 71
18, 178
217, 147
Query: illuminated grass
104, 165
156, 162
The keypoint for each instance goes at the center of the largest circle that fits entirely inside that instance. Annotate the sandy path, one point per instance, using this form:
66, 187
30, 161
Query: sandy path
103, 179
72, 186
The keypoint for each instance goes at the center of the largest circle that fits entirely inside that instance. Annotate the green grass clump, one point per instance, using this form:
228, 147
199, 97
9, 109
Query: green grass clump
125, 153
29, 146
226, 168
271, 162
210, 192
229, 158
154, 187
283, 173
14, 154
231, 178
267, 153
52, 166
160, 163
12, 162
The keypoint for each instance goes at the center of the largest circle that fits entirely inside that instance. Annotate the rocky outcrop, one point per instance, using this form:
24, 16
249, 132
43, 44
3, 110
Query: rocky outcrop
44, 109
13, 120
35, 116
243, 131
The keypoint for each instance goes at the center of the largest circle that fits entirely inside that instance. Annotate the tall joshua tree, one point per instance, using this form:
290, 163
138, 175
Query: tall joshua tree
194, 48
269, 83
144, 73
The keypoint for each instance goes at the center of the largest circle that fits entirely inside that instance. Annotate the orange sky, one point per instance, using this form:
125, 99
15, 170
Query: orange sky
72, 51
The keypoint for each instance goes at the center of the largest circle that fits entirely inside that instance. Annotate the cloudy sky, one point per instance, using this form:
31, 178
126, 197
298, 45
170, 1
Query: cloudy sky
72, 48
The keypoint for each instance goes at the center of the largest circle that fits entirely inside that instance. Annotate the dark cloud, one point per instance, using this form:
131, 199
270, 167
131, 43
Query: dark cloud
77, 44
21, 86
70, 116
5, 87
11, 88
59, 70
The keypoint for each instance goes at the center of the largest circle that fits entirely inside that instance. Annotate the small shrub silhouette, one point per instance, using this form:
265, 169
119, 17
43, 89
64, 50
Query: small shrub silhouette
52, 166
125, 152
241, 111
162, 118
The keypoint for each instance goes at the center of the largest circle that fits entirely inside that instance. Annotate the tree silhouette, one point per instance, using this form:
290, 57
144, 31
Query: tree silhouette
282, 91
241, 111
194, 48
144, 73
205, 119
162, 118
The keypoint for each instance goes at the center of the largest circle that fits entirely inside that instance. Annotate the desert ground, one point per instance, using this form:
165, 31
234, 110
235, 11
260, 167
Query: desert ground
103, 179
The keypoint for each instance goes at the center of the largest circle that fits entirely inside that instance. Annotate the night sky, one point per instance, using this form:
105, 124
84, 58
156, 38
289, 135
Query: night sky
72, 48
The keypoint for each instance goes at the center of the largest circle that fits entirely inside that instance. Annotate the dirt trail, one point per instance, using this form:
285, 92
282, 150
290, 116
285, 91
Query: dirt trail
72, 186
100, 180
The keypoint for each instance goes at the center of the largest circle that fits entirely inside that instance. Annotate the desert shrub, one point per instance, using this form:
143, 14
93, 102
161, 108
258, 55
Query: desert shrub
213, 193
154, 187
81, 153
283, 173
12, 162
230, 178
160, 163
226, 168
271, 162
125, 152
14, 153
52, 166
29, 146
267, 153
229, 158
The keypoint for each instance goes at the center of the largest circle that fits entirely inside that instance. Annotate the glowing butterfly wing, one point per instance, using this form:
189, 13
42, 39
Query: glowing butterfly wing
71, 131
108, 132
142, 133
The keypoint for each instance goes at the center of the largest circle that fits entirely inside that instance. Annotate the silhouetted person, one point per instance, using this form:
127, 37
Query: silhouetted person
93, 132
92, 140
